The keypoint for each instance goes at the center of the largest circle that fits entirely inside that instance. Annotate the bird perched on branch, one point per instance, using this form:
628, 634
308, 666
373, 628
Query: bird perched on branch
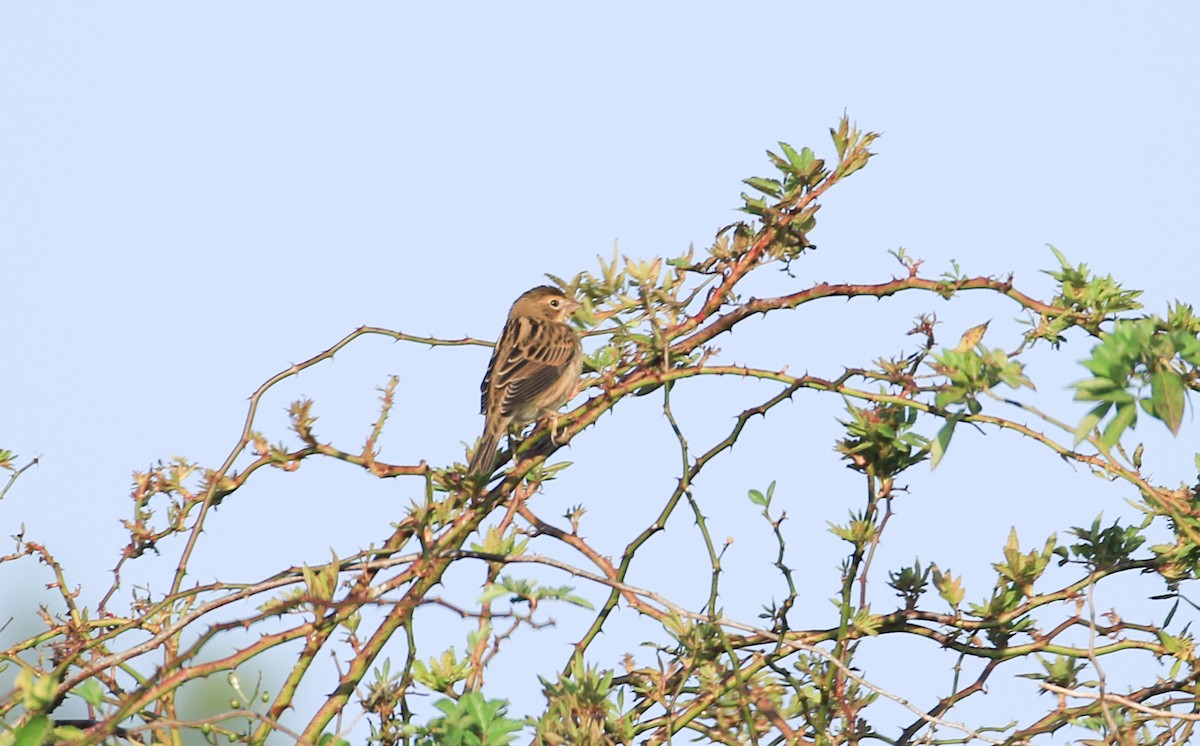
534, 369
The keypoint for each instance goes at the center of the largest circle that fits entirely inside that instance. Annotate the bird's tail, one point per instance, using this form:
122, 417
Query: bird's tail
483, 460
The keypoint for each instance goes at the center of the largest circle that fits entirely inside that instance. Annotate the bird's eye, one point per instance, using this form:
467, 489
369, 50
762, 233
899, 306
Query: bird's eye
555, 302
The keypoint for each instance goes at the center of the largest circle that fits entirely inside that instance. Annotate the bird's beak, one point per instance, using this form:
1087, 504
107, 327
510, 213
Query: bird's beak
569, 309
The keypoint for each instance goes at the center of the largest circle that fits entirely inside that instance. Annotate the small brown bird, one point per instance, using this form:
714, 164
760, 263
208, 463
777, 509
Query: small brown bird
534, 369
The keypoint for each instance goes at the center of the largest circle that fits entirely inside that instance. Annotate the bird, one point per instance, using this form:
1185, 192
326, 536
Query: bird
534, 369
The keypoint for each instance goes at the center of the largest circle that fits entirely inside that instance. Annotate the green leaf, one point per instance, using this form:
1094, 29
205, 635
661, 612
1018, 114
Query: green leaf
1062, 259
793, 157
1089, 422
1166, 393
759, 498
937, 448
493, 591
91, 691
580, 601
807, 159
866, 622
1102, 389
766, 186
1094, 387
1126, 417
948, 587
34, 733
754, 205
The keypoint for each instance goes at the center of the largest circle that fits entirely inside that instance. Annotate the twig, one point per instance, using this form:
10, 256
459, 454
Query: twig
13, 477
1130, 703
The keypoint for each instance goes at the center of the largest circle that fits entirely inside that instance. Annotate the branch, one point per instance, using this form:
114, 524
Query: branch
1126, 701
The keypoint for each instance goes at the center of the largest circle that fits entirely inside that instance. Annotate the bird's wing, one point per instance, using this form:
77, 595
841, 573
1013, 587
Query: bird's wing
528, 361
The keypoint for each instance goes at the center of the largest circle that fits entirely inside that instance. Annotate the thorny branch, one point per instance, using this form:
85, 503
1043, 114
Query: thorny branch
724, 679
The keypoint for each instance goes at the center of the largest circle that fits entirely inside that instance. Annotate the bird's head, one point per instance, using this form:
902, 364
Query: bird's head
544, 303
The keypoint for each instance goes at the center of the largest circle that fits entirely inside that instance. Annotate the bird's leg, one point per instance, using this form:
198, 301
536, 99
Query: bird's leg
550, 423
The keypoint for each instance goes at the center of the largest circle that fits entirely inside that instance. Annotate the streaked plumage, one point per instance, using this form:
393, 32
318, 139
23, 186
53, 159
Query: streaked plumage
534, 369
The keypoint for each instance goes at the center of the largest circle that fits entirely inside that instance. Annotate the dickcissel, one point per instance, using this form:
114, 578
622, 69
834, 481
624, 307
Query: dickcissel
534, 369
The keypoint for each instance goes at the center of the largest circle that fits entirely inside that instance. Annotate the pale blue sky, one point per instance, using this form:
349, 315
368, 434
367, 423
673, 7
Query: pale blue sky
192, 196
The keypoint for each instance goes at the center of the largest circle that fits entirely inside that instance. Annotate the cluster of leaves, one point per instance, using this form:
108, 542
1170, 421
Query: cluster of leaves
880, 440
1083, 300
1136, 355
470, 720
